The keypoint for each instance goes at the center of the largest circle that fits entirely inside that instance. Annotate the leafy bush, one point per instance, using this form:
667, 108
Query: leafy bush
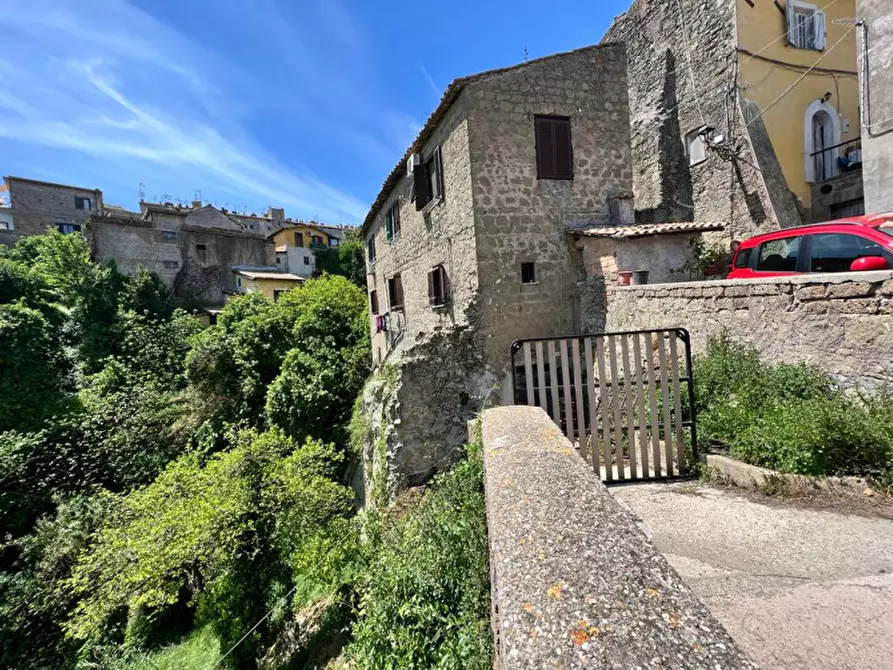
425, 596
789, 418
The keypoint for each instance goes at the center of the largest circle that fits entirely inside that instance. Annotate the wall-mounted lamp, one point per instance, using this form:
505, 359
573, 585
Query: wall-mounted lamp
826, 97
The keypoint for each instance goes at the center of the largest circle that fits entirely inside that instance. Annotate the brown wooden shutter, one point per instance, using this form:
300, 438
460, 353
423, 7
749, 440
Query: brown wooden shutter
420, 183
564, 156
438, 180
545, 147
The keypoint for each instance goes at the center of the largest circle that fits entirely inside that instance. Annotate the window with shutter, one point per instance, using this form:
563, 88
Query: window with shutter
395, 292
805, 25
370, 250
554, 149
428, 181
438, 287
392, 222
373, 301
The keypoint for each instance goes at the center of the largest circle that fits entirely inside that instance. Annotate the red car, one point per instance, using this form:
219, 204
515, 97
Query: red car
846, 245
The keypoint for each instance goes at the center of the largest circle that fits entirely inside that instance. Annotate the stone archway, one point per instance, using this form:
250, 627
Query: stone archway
821, 130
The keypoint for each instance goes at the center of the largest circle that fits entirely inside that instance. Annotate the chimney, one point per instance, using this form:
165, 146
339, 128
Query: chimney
277, 214
196, 204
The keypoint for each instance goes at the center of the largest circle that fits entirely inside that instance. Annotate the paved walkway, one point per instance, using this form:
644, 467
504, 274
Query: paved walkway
797, 588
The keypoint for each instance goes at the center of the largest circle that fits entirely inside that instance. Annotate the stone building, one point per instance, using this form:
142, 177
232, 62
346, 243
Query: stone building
37, 206
192, 249
468, 244
298, 242
876, 69
735, 118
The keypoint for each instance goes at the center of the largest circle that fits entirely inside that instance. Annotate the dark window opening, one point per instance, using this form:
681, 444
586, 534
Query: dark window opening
373, 301
392, 222
277, 293
68, 228
438, 287
428, 181
554, 152
202, 252
306, 260
779, 255
370, 250
316, 240
299, 239
395, 292
528, 273
82, 203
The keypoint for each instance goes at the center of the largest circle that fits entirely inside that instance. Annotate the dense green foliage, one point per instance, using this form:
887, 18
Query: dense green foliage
791, 418
426, 592
144, 487
346, 259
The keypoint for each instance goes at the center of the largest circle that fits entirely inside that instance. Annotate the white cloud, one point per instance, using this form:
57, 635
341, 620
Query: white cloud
109, 86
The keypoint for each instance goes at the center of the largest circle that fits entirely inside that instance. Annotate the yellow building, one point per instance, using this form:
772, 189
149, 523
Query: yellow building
798, 67
268, 283
296, 247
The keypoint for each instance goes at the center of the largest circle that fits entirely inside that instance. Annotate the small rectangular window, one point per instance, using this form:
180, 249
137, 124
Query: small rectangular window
5, 225
171, 265
438, 287
306, 260
528, 273
277, 293
68, 228
392, 222
428, 181
333, 241
316, 240
370, 250
554, 150
83, 203
373, 301
202, 252
779, 255
805, 25
299, 239
395, 292
168, 235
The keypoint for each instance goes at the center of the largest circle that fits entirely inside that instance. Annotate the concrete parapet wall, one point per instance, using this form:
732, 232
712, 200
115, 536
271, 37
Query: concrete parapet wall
575, 582
842, 323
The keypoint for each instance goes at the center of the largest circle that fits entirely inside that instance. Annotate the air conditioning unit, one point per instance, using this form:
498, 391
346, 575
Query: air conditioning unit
412, 162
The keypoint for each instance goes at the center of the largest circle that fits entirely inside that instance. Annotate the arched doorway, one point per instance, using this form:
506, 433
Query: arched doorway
821, 135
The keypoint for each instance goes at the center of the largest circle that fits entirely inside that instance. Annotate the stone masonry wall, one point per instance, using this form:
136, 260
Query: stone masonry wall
38, 206
682, 76
170, 250
519, 218
443, 236
842, 323
877, 141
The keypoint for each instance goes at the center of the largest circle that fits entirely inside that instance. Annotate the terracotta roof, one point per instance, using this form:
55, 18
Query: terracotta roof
284, 276
452, 92
645, 230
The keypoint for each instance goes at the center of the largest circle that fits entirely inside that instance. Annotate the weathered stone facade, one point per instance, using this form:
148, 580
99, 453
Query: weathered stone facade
843, 323
683, 76
495, 214
192, 252
37, 206
877, 103
828, 196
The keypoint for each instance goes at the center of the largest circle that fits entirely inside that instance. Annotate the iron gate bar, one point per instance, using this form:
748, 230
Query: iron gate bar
566, 386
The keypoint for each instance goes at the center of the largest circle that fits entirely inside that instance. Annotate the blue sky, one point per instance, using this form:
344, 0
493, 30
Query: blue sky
307, 104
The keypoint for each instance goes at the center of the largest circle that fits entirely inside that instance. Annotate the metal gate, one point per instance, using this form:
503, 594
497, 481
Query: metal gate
625, 399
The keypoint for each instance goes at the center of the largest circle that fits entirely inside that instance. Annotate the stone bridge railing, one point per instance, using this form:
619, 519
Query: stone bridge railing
575, 582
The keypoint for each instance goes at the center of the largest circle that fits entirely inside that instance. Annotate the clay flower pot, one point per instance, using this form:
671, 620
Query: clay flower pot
626, 276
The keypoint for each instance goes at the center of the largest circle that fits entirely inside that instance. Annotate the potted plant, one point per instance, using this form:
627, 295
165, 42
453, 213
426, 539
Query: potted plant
626, 277
640, 276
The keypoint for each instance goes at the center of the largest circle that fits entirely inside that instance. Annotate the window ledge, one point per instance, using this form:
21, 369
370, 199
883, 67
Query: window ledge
440, 308
529, 283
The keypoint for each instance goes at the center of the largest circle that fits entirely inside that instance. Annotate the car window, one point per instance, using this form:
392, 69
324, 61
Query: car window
779, 255
835, 252
742, 260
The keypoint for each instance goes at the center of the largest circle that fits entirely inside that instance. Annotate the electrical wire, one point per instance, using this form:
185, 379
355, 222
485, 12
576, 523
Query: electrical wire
800, 78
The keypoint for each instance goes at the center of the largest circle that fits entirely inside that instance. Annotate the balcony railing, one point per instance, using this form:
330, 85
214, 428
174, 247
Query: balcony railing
833, 161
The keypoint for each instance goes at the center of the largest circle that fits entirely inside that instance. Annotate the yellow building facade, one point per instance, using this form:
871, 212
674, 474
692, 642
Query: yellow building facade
300, 236
798, 67
269, 284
